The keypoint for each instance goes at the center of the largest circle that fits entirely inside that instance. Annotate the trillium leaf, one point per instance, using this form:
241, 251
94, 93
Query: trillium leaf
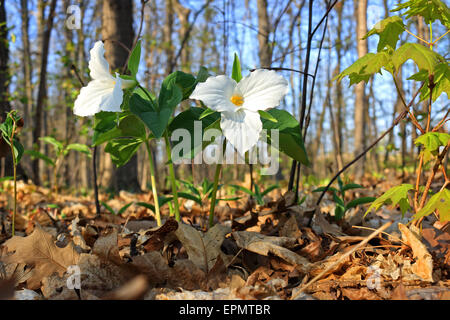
129, 126
135, 58
206, 113
389, 31
439, 201
396, 195
155, 120
430, 10
237, 71
365, 67
18, 150
185, 120
175, 88
351, 186
290, 140
424, 57
121, 150
267, 116
203, 74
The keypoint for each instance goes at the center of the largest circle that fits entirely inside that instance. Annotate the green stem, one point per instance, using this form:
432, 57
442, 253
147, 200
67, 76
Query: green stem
15, 179
215, 187
172, 177
153, 181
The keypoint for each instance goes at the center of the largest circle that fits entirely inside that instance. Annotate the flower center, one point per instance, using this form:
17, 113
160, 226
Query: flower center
237, 100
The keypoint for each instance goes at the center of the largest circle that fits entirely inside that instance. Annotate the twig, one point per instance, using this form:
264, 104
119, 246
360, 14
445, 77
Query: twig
401, 116
343, 257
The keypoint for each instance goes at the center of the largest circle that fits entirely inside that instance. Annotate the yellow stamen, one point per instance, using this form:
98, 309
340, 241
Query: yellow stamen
237, 100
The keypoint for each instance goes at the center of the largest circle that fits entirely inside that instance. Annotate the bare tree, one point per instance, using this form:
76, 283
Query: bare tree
360, 96
117, 28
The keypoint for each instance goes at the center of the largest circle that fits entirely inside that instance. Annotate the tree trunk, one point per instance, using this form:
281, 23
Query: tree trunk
4, 58
265, 51
360, 97
117, 26
42, 91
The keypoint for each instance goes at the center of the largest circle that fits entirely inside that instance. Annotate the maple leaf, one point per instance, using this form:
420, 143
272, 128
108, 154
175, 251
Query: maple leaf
396, 195
439, 201
389, 31
39, 250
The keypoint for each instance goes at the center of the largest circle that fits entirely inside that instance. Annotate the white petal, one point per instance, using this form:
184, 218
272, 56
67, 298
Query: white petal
263, 89
215, 93
98, 65
99, 95
242, 129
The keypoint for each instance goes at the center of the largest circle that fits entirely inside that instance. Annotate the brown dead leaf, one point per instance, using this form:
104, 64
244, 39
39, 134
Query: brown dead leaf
203, 248
107, 249
423, 267
359, 294
263, 245
133, 290
39, 250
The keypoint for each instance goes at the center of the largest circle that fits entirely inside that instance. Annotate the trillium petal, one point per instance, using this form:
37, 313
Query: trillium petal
242, 129
99, 95
263, 89
98, 65
216, 93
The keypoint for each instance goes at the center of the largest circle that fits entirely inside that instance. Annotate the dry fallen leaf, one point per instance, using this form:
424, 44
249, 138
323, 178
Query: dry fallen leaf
203, 248
40, 251
423, 267
263, 245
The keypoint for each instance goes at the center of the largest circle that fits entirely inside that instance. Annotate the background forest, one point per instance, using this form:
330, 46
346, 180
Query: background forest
43, 41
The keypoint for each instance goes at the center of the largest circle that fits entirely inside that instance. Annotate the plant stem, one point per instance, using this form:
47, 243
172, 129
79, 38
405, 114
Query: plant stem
214, 194
215, 187
172, 177
153, 180
15, 176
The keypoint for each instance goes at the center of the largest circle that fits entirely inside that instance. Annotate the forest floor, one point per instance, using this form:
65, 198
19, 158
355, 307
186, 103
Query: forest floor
252, 252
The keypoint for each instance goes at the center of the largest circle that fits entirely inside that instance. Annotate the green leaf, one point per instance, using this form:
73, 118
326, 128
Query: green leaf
338, 200
55, 143
439, 201
430, 10
190, 197
237, 72
243, 189
175, 88
424, 57
203, 74
431, 142
111, 210
267, 116
135, 59
290, 139
185, 120
156, 121
365, 67
206, 113
37, 155
351, 186
321, 189
269, 189
124, 208
129, 126
441, 81
396, 195
80, 148
104, 122
389, 31
18, 150
359, 201
121, 150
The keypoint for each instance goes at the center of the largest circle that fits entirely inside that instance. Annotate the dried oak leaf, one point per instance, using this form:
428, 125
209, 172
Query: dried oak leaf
423, 267
203, 249
39, 250
263, 245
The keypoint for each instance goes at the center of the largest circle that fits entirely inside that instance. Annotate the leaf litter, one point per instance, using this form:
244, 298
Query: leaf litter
253, 252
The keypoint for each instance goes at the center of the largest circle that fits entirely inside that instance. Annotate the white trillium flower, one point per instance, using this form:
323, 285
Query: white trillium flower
239, 103
104, 92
